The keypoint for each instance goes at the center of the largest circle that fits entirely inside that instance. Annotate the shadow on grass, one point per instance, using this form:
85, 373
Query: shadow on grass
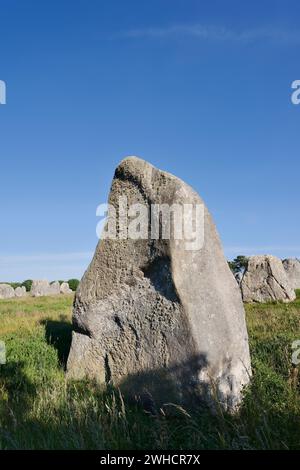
86, 416
19, 392
59, 335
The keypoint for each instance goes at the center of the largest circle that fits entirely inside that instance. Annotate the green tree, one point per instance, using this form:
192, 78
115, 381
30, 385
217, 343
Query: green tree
239, 264
27, 284
73, 284
14, 285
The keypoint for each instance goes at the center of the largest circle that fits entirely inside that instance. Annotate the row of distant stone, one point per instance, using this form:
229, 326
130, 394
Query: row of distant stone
38, 289
267, 278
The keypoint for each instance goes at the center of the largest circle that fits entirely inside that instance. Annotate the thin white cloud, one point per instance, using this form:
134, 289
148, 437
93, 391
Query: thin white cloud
215, 33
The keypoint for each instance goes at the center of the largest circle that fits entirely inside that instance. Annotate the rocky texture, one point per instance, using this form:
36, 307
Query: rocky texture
154, 318
6, 291
292, 269
65, 289
44, 288
40, 288
265, 280
20, 292
54, 288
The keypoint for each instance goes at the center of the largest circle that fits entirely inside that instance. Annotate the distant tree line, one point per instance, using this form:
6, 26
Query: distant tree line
239, 264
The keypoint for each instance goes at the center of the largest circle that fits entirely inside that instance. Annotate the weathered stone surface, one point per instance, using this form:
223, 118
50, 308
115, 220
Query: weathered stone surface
292, 269
6, 291
154, 318
54, 288
44, 288
40, 288
20, 292
265, 280
65, 289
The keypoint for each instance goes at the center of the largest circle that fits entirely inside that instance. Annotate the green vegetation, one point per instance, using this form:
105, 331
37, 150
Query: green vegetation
14, 285
239, 264
73, 284
27, 284
40, 409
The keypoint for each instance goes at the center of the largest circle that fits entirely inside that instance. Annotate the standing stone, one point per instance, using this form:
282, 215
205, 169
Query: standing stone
54, 288
265, 280
155, 317
20, 291
40, 288
65, 289
6, 291
292, 269
43, 288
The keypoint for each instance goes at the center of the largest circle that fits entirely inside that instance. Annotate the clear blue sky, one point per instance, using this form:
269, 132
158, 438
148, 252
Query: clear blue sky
199, 88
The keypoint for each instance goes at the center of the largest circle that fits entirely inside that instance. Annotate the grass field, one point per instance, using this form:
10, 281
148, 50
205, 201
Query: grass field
39, 409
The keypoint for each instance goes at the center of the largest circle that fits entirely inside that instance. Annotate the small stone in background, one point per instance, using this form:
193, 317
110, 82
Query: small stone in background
20, 292
65, 289
40, 288
6, 291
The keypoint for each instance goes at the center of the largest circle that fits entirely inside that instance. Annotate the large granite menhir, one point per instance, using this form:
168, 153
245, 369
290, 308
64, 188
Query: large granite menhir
156, 319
